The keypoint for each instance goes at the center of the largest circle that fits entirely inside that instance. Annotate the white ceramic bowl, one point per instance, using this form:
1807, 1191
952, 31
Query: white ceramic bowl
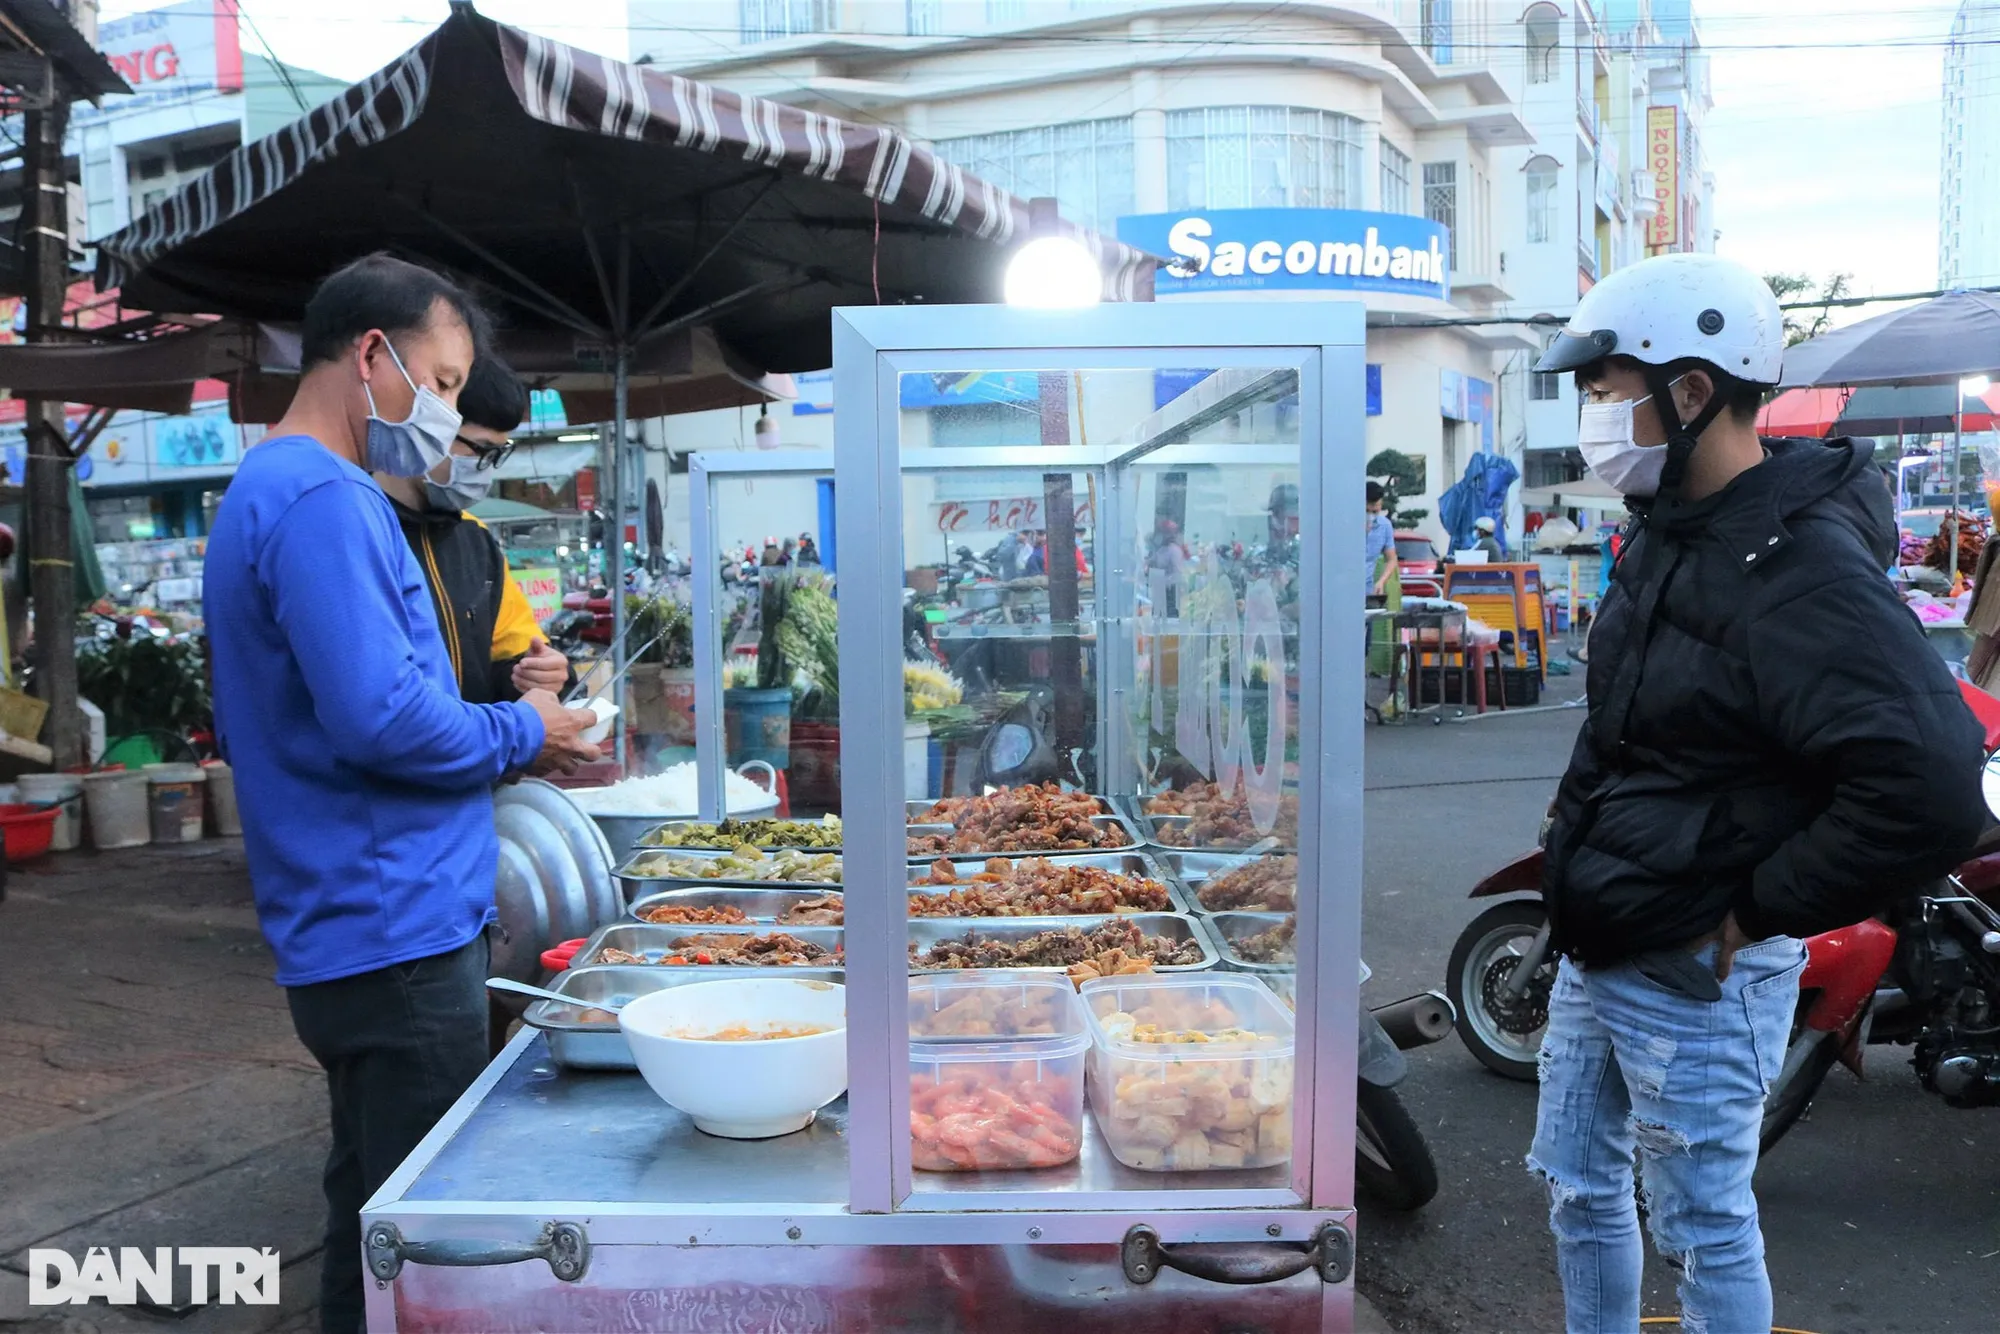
742, 1090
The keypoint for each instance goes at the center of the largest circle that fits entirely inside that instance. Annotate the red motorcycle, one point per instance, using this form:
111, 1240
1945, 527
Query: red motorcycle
1926, 973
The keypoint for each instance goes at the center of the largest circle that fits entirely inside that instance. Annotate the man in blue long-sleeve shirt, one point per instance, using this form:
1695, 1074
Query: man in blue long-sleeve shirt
365, 782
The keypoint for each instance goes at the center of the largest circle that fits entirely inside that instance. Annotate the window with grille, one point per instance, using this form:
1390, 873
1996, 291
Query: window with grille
1544, 175
1395, 179
1085, 165
1544, 386
1544, 41
1435, 20
923, 18
1263, 157
768, 20
1441, 200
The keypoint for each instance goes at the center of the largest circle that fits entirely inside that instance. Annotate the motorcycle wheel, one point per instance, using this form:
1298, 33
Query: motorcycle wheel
1392, 1163
1505, 1038
1809, 1056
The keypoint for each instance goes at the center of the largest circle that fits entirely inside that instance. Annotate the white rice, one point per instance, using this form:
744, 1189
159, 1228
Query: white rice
669, 795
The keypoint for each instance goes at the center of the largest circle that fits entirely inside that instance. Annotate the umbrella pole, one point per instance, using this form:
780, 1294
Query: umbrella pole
1957, 438
614, 546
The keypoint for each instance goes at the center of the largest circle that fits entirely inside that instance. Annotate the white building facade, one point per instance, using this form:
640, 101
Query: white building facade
1322, 152
1968, 183
1616, 101
1345, 151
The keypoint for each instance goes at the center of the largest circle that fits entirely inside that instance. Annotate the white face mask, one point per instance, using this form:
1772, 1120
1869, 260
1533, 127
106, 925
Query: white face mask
415, 445
465, 486
1604, 434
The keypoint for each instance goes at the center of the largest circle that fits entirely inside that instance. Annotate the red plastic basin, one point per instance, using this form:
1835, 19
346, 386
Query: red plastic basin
28, 830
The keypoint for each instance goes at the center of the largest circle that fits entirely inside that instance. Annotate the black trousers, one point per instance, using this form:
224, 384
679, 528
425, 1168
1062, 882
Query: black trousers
398, 1045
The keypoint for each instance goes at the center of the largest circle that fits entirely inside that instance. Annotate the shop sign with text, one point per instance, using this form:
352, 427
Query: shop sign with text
1294, 249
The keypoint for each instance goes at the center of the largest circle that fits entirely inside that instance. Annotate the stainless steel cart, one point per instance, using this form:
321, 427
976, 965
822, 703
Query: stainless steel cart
556, 1199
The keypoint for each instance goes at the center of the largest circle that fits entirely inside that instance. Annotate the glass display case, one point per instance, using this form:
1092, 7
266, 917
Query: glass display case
1100, 949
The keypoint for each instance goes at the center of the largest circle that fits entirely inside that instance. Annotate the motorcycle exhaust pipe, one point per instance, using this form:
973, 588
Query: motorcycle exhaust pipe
1418, 1020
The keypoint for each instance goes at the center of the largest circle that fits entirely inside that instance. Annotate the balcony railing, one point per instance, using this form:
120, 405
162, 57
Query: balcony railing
1586, 257
1586, 116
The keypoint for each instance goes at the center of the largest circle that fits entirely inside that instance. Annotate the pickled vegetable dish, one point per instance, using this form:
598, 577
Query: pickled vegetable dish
748, 834
748, 864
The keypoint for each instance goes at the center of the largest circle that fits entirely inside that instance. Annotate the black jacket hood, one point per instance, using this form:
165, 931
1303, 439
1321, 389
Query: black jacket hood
1749, 514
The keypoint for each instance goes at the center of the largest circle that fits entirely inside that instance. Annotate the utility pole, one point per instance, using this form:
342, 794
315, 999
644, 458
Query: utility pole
52, 576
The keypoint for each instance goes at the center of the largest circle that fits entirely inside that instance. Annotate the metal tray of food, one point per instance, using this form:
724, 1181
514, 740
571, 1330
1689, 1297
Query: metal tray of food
927, 931
1133, 863
757, 903
636, 882
1191, 870
917, 810
583, 1044
1132, 840
646, 842
1227, 928
1157, 830
652, 941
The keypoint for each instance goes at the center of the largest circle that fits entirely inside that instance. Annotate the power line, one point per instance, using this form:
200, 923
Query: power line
284, 72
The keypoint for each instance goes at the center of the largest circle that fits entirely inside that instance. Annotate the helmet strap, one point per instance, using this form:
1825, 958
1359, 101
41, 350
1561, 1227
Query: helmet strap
1681, 436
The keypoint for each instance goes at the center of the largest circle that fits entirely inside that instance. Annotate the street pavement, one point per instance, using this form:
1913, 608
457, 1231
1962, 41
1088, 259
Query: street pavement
151, 1091
1881, 1212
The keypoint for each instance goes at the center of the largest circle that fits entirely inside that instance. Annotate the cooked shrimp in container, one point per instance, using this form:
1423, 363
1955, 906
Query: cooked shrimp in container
996, 1071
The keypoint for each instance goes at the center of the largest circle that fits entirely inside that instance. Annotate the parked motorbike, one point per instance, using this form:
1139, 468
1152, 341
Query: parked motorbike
1926, 974
1392, 1162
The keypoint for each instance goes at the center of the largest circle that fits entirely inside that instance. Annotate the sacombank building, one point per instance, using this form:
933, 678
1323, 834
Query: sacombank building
1435, 371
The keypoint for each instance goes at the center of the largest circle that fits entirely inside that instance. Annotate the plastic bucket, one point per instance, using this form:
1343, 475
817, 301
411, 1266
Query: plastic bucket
222, 813
65, 793
173, 801
27, 830
758, 724
116, 800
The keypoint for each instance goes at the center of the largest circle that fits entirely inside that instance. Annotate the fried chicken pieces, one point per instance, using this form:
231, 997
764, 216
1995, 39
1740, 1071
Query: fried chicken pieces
1036, 887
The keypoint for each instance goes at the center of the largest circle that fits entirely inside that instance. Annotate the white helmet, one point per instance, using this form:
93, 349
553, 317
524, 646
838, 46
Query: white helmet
1674, 308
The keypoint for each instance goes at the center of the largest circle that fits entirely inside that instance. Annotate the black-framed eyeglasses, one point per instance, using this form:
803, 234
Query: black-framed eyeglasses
488, 456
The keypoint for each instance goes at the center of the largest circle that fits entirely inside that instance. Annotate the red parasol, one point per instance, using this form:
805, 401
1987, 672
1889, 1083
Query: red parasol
1802, 412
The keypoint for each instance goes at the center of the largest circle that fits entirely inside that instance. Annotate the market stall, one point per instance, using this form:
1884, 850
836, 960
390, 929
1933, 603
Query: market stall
1129, 1121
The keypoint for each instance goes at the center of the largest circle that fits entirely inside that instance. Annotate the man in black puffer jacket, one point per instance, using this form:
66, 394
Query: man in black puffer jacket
1772, 750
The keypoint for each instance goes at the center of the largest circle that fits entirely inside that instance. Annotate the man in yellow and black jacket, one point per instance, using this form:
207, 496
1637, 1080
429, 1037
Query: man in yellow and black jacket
496, 648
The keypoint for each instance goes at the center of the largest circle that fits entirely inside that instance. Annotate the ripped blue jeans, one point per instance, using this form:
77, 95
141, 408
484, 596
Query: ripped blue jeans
1630, 1067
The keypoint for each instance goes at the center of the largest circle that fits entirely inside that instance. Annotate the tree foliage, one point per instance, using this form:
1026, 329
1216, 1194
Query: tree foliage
1807, 322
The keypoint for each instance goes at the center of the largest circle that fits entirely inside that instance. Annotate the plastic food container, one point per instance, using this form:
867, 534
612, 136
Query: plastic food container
996, 1071
1191, 1073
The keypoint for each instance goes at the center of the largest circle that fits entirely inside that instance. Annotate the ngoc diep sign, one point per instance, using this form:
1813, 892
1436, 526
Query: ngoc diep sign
1296, 249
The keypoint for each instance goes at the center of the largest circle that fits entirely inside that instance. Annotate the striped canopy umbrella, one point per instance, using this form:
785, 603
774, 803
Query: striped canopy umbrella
613, 202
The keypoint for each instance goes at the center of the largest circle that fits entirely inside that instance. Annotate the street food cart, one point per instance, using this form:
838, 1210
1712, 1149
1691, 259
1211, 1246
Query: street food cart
1216, 715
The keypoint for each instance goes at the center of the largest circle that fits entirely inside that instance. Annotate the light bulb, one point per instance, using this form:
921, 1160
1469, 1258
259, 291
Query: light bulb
1054, 272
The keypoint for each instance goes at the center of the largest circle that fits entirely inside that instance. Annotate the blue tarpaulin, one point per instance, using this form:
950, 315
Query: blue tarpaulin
1481, 492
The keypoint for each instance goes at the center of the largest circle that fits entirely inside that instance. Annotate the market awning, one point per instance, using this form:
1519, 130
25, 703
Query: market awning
686, 371
546, 463
1586, 493
612, 201
497, 510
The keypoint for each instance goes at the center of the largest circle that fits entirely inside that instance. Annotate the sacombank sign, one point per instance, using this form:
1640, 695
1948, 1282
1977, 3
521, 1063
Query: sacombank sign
1296, 249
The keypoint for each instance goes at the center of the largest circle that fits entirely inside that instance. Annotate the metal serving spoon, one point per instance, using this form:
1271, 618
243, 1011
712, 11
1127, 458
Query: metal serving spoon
540, 993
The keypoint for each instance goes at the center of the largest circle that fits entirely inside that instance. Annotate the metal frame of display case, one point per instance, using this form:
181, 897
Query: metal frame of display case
553, 1200
873, 347
711, 746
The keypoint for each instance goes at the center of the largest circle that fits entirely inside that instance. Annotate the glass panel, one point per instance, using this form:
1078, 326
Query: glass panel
1101, 716
781, 678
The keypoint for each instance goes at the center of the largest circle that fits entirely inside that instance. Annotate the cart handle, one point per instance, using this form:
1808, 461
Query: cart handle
1331, 1252
563, 1245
